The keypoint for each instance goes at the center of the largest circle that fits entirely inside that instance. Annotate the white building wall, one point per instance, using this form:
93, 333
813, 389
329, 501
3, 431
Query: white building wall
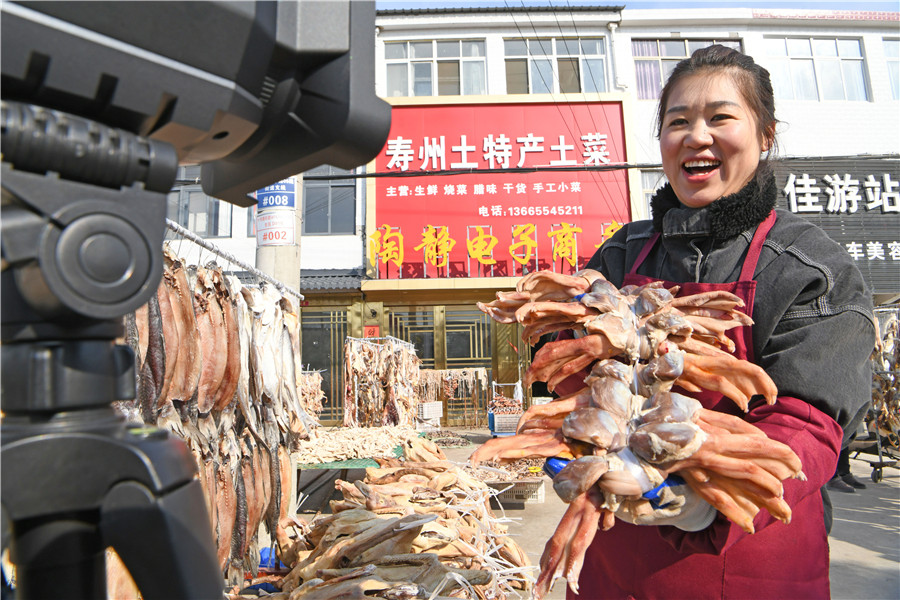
808, 128
825, 128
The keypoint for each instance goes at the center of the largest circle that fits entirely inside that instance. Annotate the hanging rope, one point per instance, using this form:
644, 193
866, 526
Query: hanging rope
189, 235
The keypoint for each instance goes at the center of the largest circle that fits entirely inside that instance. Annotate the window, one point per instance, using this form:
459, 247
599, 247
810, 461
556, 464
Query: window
435, 68
651, 180
892, 54
192, 209
816, 68
554, 65
329, 205
251, 221
655, 59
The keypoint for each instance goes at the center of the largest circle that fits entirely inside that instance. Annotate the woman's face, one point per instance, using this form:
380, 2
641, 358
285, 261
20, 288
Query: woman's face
709, 140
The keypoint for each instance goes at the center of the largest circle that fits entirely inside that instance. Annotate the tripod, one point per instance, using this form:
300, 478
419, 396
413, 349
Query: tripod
83, 219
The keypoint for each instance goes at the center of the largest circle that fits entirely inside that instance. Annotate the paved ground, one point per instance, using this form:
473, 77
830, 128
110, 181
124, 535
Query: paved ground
865, 538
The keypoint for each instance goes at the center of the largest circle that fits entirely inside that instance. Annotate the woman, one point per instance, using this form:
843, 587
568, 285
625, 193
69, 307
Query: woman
714, 227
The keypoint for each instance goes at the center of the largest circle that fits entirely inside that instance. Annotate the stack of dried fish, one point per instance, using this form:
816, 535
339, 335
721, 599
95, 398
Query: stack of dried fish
413, 528
886, 381
349, 443
217, 366
380, 375
626, 430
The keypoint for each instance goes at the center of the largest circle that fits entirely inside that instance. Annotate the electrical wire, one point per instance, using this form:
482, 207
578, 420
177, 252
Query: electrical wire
605, 197
202, 243
451, 172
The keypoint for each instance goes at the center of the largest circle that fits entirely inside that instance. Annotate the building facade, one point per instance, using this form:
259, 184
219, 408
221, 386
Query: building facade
521, 138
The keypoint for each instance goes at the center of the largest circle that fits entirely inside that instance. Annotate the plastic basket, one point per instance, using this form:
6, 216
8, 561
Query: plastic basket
430, 410
503, 423
526, 491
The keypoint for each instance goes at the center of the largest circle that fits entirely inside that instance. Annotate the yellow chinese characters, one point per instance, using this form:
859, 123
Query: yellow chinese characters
386, 245
524, 242
564, 246
481, 246
437, 244
608, 232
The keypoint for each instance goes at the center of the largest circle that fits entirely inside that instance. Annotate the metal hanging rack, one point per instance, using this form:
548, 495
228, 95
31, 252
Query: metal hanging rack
189, 235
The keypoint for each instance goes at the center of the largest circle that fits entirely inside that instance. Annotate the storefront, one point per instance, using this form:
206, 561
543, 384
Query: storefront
856, 200
467, 198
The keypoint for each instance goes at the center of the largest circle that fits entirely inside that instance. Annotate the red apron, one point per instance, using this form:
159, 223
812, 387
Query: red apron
779, 561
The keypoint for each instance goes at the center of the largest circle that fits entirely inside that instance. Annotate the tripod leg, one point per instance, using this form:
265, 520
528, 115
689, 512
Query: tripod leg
59, 558
164, 541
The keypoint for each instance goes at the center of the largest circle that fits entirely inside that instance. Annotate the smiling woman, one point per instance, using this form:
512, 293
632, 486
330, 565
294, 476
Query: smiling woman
715, 229
709, 141
716, 117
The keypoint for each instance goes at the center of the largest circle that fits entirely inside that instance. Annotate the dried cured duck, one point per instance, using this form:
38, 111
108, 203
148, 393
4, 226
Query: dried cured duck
627, 430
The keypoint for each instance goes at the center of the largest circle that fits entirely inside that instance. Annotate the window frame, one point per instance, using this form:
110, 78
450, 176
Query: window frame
539, 50
822, 64
651, 181
436, 64
331, 185
660, 59
218, 213
893, 60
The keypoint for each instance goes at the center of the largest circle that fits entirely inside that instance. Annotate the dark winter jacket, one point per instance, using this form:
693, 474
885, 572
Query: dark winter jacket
813, 331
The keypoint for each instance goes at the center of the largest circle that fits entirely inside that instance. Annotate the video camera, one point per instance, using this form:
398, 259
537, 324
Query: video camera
101, 102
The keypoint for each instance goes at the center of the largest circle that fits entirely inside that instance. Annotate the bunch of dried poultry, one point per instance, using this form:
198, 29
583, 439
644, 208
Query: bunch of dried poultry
626, 429
414, 528
380, 378
217, 366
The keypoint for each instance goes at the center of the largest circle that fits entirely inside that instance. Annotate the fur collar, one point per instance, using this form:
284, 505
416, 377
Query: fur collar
728, 216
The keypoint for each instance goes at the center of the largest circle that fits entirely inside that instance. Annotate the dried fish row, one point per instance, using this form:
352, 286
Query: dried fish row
380, 378
218, 364
436, 385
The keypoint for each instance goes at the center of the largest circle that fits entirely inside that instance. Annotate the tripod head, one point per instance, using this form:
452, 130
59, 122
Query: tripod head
101, 102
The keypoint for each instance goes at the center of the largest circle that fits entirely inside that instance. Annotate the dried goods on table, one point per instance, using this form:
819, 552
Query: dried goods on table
506, 399
495, 470
380, 378
626, 431
413, 528
350, 443
447, 439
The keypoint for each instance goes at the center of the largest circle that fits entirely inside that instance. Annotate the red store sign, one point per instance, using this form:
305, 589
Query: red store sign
483, 224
